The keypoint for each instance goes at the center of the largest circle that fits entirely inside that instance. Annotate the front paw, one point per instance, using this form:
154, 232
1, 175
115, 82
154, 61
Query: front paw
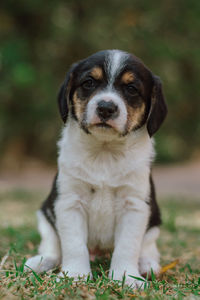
131, 278
41, 263
147, 265
76, 274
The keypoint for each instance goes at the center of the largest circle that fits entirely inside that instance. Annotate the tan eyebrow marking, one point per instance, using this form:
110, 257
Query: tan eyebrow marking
128, 77
97, 73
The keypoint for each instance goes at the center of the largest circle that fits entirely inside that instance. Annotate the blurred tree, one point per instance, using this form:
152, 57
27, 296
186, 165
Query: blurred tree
39, 41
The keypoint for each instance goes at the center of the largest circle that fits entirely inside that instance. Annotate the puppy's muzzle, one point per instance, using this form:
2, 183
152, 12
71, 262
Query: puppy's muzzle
107, 110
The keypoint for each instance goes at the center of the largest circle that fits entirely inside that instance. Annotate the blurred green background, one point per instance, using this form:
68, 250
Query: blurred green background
40, 39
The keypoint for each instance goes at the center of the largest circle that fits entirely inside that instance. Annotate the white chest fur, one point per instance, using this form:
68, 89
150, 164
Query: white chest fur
101, 218
102, 178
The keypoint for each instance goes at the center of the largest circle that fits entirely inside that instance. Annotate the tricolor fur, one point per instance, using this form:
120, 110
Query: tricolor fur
103, 195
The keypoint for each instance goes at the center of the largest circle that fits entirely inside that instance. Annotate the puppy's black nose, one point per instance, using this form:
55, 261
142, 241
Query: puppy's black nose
107, 110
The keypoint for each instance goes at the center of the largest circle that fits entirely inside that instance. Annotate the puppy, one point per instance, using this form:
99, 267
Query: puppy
103, 195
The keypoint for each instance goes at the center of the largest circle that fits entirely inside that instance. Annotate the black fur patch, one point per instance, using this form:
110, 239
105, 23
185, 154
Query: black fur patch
155, 217
48, 205
158, 110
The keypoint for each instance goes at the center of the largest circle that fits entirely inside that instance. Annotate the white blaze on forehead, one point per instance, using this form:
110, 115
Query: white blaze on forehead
115, 63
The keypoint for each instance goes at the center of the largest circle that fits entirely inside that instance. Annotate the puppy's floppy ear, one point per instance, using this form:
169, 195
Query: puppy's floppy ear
158, 110
64, 93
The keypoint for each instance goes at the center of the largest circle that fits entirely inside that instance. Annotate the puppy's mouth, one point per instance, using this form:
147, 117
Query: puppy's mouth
103, 125
100, 128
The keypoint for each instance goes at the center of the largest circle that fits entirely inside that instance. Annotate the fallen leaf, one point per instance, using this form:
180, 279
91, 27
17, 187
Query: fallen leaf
169, 266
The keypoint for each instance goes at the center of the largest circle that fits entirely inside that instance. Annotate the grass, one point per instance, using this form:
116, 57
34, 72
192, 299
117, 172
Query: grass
179, 241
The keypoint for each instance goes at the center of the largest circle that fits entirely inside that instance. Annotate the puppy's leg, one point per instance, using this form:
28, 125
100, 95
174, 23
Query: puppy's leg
150, 257
49, 250
72, 229
128, 239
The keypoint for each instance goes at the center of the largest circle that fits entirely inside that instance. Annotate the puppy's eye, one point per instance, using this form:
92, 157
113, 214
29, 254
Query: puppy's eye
88, 84
131, 89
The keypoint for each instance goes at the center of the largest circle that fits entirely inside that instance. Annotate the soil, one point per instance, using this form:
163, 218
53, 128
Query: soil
180, 180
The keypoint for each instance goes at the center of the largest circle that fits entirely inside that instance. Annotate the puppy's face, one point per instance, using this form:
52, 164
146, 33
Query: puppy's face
111, 92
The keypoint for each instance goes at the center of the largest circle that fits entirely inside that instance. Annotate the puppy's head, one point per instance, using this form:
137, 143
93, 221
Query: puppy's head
112, 92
